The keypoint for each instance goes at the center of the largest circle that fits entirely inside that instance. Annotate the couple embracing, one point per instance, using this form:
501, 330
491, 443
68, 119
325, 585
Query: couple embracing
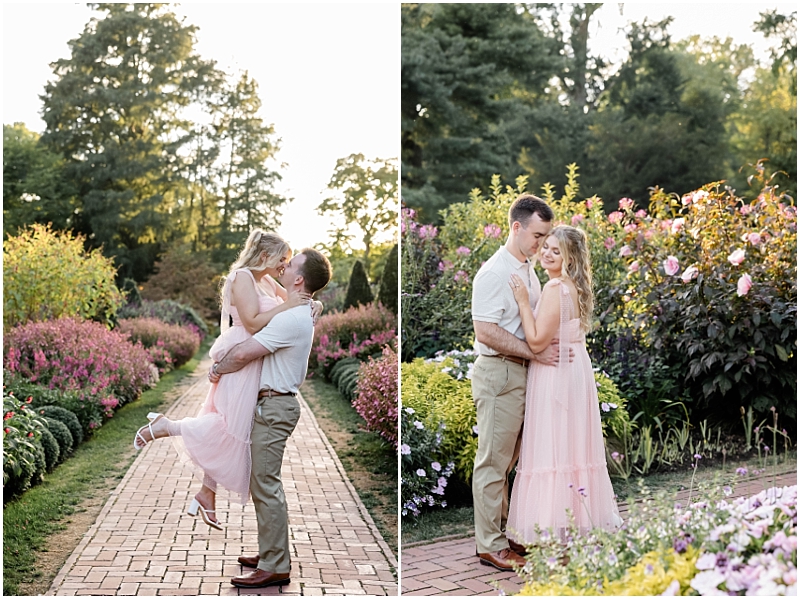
237, 441
534, 391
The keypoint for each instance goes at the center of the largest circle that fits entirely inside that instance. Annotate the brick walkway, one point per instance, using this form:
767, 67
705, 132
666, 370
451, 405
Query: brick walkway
144, 543
450, 567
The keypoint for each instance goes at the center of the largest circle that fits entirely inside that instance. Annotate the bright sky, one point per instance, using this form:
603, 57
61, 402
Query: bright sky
328, 75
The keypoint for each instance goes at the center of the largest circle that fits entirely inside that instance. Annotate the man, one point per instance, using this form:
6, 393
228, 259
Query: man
499, 378
285, 345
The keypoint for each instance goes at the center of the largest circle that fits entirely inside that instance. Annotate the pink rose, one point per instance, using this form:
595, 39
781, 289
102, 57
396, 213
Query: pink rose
625, 203
689, 274
754, 238
576, 219
737, 257
634, 267
609, 243
625, 251
671, 265
615, 217
744, 285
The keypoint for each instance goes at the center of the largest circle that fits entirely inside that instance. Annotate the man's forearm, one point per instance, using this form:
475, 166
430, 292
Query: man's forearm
239, 355
501, 340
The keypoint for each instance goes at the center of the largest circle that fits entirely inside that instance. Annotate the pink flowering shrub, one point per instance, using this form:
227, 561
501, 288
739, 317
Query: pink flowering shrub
358, 332
376, 395
70, 354
170, 345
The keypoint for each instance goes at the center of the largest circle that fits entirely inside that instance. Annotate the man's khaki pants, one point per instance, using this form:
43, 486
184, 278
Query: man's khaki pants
498, 389
275, 419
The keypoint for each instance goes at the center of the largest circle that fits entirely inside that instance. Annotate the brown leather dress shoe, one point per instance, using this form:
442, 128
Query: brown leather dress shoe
260, 578
504, 560
517, 548
250, 562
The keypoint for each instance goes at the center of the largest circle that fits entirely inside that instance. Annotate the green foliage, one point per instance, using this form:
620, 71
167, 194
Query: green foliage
437, 397
387, 293
65, 416
189, 278
23, 457
88, 412
62, 436
613, 410
358, 291
341, 367
365, 196
47, 275
35, 189
50, 448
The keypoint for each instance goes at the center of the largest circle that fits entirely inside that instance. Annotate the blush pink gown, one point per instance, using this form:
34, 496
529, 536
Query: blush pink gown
216, 443
562, 461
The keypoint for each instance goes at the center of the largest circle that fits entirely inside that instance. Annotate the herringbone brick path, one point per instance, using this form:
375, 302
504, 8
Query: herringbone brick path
450, 567
144, 543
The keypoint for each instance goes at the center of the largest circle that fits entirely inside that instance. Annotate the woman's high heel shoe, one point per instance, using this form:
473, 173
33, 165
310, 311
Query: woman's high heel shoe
195, 507
139, 441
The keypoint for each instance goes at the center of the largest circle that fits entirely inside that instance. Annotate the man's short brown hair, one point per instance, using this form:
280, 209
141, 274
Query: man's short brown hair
526, 206
316, 270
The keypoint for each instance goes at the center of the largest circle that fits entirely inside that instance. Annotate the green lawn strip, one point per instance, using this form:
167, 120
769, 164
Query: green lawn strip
439, 524
365, 451
30, 518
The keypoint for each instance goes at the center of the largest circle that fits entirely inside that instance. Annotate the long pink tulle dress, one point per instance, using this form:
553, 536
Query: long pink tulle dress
216, 443
562, 461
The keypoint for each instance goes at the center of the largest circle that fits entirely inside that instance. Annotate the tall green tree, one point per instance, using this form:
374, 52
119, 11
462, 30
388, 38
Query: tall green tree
35, 189
245, 178
116, 111
464, 70
365, 196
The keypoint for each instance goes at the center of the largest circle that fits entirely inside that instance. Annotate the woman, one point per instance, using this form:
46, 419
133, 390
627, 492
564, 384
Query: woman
217, 442
562, 458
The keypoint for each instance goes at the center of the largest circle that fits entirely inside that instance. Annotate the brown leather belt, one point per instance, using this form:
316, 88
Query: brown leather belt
271, 393
516, 359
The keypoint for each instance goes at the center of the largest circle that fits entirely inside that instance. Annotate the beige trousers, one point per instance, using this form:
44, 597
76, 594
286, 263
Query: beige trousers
498, 389
275, 419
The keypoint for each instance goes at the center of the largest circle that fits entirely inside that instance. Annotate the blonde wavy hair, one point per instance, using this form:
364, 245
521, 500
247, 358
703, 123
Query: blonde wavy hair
577, 266
260, 241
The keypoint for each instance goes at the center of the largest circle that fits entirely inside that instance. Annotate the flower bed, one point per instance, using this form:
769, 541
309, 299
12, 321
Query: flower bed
70, 354
714, 546
169, 345
376, 395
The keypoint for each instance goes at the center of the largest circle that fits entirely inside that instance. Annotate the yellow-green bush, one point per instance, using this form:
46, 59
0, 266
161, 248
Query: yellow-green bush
48, 274
437, 397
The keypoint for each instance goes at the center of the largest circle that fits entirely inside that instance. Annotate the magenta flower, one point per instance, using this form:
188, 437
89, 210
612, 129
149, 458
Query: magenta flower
463, 251
609, 243
671, 266
634, 267
492, 230
578, 218
461, 276
744, 285
641, 213
625, 251
737, 257
745, 210
427, 232
625, 204
754, 238
615, 217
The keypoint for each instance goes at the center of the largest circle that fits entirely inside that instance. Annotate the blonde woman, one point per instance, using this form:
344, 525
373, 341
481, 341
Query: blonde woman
216, 443
562, 457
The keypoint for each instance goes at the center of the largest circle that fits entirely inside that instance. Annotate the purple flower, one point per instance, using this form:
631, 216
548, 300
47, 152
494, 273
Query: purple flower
436, 466
421, 472
427, 232
463, 251
697, 456
405, 449
492, 231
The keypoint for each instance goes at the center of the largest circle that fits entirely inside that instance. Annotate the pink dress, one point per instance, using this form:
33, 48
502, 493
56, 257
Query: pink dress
216, 444
562, 461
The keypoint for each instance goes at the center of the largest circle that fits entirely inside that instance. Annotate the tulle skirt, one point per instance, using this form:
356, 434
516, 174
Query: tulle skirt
562, 463
216, 443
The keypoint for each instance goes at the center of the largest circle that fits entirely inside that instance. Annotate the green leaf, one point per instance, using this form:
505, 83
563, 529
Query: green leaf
781, 353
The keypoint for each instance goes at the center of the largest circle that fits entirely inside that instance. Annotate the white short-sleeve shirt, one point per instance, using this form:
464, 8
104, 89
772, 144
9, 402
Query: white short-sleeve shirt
492, 298
288, 337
